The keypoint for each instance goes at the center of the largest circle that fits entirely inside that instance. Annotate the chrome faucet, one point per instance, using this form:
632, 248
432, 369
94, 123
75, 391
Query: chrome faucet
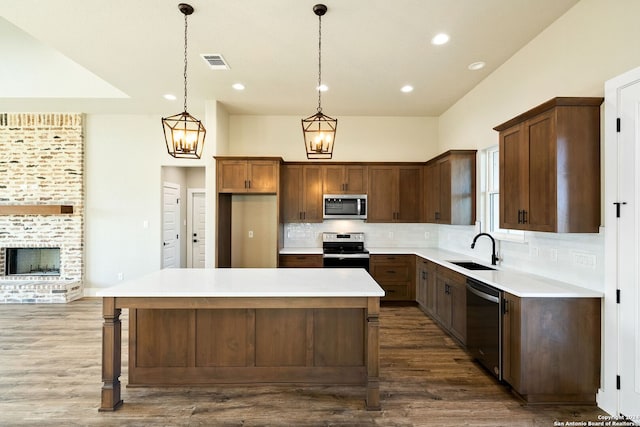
494, 256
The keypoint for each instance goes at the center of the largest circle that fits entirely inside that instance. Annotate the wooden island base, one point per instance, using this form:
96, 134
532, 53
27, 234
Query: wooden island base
189, 341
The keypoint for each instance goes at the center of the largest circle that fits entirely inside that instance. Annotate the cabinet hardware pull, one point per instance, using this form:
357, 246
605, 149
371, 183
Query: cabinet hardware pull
391, 271
519, 216
505, 306
524, 216
304, 215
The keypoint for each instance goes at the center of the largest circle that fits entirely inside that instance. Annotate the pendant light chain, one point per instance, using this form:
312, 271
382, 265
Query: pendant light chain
319, 130
185, 62
183, 133
319, 62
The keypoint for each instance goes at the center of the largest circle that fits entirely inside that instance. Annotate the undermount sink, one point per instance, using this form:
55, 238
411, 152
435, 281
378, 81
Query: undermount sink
470, 265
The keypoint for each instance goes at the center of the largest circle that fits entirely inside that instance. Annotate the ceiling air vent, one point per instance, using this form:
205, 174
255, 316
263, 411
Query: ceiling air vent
215, 61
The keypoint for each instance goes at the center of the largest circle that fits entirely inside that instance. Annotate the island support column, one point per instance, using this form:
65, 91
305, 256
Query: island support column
373, 354
111, 355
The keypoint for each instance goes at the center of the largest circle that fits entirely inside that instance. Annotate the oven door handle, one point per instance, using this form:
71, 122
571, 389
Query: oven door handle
345, 256
482, 294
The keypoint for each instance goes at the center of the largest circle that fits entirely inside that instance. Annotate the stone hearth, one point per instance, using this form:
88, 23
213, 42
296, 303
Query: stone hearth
42, 164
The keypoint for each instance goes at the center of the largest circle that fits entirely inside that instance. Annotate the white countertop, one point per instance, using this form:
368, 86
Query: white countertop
516, 283
249, 282
301, 251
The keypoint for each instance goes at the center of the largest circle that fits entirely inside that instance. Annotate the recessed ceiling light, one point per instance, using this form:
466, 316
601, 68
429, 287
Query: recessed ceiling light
476, 65
322, 88
169, 96
406, 88
238, 86
439, 39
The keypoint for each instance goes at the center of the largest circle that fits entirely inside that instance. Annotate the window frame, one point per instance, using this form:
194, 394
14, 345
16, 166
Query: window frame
490, 187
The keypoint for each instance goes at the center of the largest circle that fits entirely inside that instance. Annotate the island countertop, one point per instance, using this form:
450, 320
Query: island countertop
249, 282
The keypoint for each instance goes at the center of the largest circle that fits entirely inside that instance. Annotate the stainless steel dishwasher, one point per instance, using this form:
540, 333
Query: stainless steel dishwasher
484, 325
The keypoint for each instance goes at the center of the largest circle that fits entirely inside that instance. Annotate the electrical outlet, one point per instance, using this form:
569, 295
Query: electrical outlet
251, 234
145, 224
584, 260
120, 276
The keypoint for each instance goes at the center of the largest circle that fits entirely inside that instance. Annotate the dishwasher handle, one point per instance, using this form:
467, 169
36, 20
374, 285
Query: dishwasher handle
474, 290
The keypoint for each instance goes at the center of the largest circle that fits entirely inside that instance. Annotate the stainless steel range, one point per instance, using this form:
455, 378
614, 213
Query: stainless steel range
344, 250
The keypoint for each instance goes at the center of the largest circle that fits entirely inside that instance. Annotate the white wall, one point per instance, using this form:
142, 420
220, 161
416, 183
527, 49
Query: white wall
124, 155
357, 138
592, 42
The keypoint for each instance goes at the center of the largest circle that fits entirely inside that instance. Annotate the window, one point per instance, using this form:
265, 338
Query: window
491, 197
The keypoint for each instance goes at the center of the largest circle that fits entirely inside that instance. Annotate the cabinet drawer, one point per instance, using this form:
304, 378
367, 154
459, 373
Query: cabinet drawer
392, 272
396, 291
300, 261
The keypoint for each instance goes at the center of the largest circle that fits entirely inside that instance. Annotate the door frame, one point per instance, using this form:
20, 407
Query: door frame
173, 185
190, 193
608, 397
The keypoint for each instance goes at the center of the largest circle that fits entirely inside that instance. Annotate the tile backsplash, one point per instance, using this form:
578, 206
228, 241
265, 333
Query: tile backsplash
572, 258
306, 235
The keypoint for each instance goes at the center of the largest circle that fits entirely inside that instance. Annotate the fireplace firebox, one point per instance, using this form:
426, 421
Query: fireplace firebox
32, 262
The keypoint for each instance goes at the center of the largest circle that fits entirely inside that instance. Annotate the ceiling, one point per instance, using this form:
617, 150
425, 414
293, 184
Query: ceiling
116, 56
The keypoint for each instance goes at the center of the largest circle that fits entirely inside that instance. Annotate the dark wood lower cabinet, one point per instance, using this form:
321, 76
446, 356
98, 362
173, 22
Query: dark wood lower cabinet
395, 274
300, 261
451, 302
551, 348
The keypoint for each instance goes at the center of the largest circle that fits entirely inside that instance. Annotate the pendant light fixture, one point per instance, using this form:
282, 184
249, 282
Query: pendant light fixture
319, 130
183, 133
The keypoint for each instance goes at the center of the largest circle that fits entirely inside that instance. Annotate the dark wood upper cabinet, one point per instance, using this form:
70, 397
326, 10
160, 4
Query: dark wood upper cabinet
301, 194
344, 179
550, 167
242, 175
450, 188
395, 193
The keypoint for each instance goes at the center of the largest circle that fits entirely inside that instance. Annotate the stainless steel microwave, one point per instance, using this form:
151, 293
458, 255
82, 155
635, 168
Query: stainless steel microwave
344, 206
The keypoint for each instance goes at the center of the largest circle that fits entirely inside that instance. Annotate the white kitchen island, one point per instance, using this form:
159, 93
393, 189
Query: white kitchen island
244, 326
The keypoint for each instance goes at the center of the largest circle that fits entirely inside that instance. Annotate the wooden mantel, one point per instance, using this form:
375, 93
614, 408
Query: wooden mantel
35, 209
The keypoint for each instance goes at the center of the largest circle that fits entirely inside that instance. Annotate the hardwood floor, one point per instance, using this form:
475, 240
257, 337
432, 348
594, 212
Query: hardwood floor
50, 374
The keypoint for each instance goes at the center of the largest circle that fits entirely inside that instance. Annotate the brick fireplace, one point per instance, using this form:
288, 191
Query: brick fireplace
42, 164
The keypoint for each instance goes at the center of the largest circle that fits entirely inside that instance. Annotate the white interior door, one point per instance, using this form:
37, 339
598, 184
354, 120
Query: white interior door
629, 251
170, 225
198, 218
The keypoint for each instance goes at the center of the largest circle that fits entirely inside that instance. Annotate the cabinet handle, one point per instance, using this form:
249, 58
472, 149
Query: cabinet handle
524, 216
304, 215
520, 216
391, 271
505, 306
437, 215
